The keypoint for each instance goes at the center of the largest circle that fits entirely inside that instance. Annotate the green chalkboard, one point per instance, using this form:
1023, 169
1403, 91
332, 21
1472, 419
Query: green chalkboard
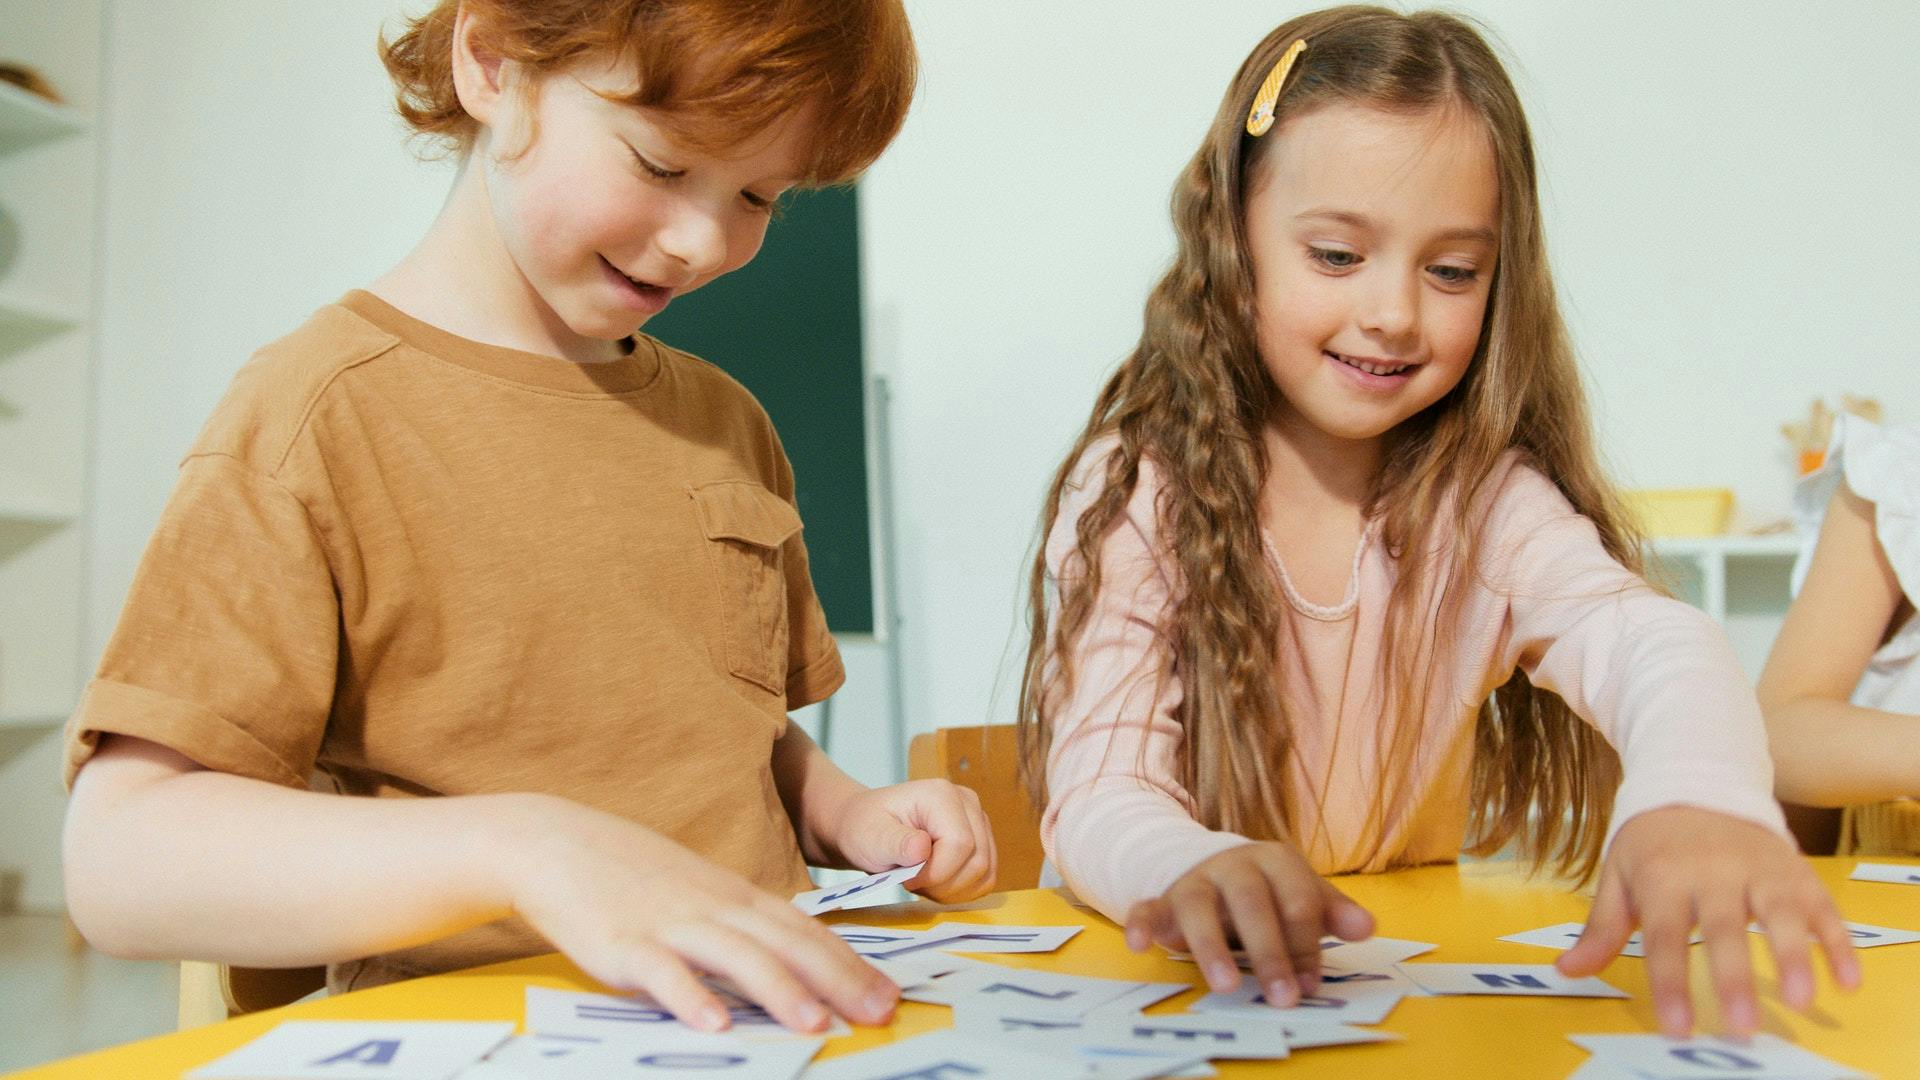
787, 325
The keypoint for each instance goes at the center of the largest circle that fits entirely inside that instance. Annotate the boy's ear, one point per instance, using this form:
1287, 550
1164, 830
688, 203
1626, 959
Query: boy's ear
477, 77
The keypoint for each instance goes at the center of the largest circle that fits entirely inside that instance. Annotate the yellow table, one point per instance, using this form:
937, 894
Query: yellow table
1462, 909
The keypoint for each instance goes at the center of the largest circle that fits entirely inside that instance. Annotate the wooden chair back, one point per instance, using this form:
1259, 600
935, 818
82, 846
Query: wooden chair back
986, 759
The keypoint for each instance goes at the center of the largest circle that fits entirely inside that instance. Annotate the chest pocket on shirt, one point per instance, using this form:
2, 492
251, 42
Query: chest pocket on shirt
745, 524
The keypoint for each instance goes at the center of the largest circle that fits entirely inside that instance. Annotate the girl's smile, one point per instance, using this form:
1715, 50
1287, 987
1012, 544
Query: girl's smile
1373, 373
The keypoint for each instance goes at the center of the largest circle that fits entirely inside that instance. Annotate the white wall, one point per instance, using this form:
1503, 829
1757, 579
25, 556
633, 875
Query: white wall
1728, 192
1730, 207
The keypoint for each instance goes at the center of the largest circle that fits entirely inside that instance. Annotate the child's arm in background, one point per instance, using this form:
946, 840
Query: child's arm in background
166, 859
841, 822
1826, 751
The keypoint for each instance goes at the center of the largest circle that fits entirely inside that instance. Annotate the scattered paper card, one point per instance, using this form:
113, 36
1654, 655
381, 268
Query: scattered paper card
1893, 872
1139, 998
359, 1050
1372, 954
945, 1053
1024, 991
1563, 936
1364, 997
1524, 980
887, 944
1336, 953
1864, 935
659, 1054
1657, 1057
573, 1012
834, 897
979, 938
908, 972
1312, 1036
1214, 1036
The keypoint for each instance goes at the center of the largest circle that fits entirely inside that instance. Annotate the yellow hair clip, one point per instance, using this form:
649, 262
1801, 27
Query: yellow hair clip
1260, 117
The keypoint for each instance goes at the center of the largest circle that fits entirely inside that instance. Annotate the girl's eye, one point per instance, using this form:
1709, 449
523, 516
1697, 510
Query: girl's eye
656, 171
1334, 258
1454, 275
764, 205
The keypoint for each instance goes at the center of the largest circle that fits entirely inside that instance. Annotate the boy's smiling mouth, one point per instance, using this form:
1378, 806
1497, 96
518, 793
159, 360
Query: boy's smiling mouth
645, 295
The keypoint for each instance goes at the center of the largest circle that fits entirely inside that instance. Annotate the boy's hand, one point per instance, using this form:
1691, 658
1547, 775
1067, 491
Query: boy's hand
1265, 896
640, 912
1677, 867
931, 820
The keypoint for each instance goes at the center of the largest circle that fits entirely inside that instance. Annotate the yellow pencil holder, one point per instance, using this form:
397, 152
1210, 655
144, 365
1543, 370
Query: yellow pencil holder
1681, 511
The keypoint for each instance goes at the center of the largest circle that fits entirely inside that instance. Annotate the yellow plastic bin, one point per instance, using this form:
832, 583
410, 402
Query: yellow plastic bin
1681, 511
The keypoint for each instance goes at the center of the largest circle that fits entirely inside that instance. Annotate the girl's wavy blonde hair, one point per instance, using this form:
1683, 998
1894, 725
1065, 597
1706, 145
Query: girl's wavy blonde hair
1193, 397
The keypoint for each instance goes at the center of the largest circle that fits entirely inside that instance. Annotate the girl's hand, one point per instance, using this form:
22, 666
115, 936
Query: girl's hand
1676, 867
1265, 896
640, 912
934, 821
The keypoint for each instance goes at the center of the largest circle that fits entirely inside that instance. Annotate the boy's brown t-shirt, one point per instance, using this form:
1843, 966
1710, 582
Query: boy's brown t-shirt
400, 563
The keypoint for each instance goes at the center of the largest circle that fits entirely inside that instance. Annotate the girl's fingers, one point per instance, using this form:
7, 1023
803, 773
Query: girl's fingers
1196, 911
1837, 942
1815, 906
1346, 919
1723, 921
1790, 943
1665, 932
1302, 907
1249, 900
1148, 924
1609, 925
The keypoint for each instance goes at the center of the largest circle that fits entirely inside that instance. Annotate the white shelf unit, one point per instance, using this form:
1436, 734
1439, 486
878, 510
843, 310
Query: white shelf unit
49, 181
1741, 581
1711, 556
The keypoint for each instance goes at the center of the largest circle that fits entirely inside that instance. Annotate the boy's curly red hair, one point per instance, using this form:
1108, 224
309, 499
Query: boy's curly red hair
718, 70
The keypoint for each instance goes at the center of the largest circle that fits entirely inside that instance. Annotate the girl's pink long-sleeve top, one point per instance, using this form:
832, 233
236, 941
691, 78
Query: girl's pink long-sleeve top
1654, 675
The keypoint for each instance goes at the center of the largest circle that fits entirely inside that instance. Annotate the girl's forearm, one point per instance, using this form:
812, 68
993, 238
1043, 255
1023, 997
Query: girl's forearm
1832, 753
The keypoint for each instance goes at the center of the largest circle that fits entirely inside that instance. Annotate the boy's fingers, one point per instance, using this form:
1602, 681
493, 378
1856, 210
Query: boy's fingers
666, 978
1609, 925
825, 963
757, 972
983, 840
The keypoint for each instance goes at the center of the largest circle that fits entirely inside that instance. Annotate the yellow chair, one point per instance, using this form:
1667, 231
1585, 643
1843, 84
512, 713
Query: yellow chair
210, 993
1888, 828
986, 759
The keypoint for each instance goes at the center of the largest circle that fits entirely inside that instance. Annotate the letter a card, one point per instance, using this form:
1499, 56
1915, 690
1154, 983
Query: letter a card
359, 1050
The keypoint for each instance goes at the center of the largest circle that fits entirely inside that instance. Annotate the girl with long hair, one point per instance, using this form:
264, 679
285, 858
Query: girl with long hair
1333, 580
